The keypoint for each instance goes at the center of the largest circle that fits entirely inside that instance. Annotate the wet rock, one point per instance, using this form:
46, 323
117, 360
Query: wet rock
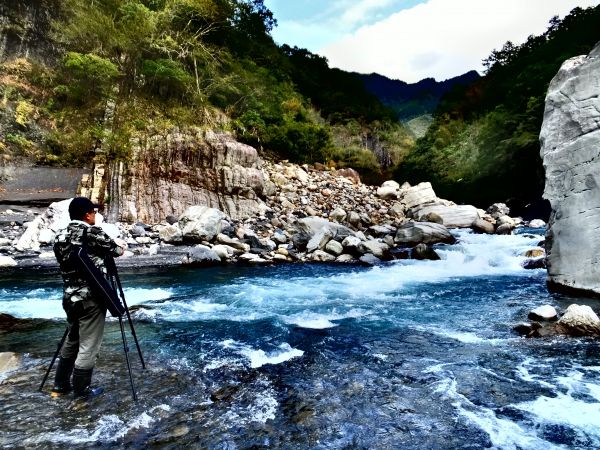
369, 260
202, 256
483, 226
505, 228
545, 312
535, 263
413, 233
423, 251
537, 223
527, 329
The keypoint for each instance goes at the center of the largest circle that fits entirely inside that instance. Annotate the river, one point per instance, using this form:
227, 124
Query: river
405, 355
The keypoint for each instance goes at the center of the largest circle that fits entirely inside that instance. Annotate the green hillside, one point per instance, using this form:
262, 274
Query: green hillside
483, 144
124, 68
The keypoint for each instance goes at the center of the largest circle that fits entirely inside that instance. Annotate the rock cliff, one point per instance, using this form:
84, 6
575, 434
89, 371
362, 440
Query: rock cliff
570, 150
170, 172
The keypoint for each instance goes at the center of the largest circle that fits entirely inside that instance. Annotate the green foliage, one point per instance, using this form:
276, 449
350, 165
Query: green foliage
89, 75
483, 144
166, 77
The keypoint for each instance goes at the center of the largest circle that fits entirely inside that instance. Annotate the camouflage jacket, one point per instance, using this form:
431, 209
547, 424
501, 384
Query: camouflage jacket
99, 245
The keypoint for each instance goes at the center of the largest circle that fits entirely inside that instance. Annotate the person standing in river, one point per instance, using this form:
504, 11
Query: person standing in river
86, 313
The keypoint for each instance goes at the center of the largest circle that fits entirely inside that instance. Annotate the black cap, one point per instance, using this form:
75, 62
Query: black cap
79, 206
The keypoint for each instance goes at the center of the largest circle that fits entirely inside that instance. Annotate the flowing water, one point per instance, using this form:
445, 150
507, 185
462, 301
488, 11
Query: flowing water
406, 355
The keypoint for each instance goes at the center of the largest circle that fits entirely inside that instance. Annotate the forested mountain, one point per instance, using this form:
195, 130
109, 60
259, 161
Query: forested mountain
483, 145
410, 100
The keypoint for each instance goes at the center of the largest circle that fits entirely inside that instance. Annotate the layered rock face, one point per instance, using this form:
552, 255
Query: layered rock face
570, 150
169, 173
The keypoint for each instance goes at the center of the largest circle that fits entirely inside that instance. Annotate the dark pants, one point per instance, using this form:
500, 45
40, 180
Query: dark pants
85, 319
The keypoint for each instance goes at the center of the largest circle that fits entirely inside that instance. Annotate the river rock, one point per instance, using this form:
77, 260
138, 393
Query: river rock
322, 256
580, 320
389, 190
424, 251
537, 223
498, 209
54, 218
453, 216
9, 361
483, 226
417, 195
545, 312
7, 261
201, 255
334, 247
170, 233
369, 260
570, 151
374, 247
200, 223
413, 233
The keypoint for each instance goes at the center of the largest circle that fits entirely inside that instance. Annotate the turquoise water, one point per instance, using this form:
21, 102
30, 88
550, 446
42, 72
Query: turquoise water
410, 354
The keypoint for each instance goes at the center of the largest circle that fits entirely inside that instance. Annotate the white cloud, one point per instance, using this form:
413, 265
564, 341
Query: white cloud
442, 38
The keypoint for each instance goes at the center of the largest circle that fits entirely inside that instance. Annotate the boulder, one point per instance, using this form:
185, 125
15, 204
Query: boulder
570, 151
497, 210
334, 247
424, 251
389, 190
200, 223
453, 216
580, 320
417, 195
321, 256
170, 233
374, 247
7, 261
201, 255
369, 260
54, 218
413, 233
312, 225
537, 223
483, 226
545, 312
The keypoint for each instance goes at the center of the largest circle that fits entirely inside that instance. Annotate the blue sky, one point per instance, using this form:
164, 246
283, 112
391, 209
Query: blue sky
412, 39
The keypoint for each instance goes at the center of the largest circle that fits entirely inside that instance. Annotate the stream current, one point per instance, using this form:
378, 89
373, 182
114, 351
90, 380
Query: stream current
406, 355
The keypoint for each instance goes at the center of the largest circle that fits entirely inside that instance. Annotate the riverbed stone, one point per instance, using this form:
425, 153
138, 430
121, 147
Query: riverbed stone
413, 233
544, 312
201, 223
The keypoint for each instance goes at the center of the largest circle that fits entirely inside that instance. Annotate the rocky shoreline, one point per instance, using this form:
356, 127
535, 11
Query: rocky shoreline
308, 214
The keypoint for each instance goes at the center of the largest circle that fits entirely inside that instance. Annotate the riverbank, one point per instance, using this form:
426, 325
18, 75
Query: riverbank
308, 214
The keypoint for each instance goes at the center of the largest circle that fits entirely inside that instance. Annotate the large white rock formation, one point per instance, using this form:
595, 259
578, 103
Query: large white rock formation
570, 150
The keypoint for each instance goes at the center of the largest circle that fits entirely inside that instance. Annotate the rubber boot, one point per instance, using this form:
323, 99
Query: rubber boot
82, 378
62, 379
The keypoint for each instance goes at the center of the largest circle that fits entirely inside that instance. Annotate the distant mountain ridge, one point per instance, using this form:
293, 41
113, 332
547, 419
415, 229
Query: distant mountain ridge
410, 100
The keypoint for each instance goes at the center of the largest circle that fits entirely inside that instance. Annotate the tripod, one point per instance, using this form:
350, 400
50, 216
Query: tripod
115, 284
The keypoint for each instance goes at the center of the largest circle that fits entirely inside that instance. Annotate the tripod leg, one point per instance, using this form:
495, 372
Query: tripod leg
126, 349
60, 344
135, 339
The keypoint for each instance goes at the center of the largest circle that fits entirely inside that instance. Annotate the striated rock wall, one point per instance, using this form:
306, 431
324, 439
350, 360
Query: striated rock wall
168, 173
570, 150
